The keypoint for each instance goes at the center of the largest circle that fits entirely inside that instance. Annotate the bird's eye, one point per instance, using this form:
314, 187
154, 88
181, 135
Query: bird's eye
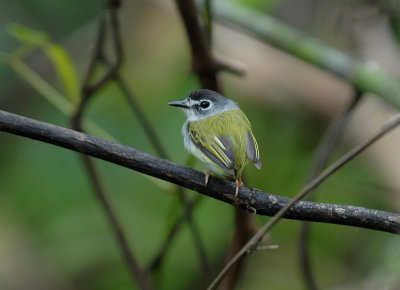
204, 104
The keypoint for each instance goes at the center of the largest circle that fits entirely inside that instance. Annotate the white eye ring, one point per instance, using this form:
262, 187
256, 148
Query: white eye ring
205, 105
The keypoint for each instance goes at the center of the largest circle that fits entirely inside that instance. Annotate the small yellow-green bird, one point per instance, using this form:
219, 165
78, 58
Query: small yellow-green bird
218, 133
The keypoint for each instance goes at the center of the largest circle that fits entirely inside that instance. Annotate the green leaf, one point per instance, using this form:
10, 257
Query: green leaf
65, 70
53, 96
27, 35
40, 85
58, 56
261, 4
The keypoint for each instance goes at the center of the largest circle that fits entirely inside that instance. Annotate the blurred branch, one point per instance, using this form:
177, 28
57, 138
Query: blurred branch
254, 242
87, 92
112, 74
186, 204
137, 272
177, 225
365, 77
263, 203
245, 228
323, 153
208, 19
49, 93
141, 116
206, 68
40, 85
203, 62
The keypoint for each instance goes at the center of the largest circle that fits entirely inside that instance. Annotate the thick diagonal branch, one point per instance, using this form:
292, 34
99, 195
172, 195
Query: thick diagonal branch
264, 203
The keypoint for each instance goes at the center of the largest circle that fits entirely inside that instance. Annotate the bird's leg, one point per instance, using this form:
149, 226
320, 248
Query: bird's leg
206, 177
239, 184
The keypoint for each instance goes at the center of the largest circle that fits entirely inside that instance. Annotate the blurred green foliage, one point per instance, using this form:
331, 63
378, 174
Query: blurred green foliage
264, 5
58, 18
48, 192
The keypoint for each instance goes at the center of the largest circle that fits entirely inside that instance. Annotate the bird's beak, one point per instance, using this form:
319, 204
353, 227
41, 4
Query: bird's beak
181, 104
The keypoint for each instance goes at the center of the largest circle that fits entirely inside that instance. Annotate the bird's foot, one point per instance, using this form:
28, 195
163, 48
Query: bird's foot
206, 177
239, 184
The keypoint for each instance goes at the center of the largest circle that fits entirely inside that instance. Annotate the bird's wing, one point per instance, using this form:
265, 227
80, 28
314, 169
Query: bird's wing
218, 149
252, 150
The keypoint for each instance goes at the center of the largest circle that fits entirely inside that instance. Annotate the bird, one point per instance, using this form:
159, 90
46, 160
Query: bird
217, 132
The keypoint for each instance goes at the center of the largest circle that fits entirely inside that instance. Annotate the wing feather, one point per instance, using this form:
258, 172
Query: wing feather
218, 149
227, 142
252, 150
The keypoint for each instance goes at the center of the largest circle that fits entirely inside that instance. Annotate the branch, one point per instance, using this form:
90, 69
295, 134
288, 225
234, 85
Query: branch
264, 203
253, 243
88, 91
177, 225
363, 76
112, 74
206, 68
322, 155
203, 62
187, 208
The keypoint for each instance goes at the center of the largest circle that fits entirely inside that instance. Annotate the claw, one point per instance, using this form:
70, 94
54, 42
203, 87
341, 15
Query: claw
206, 177
239, 184
251, 210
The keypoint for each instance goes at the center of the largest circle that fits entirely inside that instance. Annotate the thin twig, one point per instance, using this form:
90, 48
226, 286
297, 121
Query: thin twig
255, 240
263, 203
111, 74
323, 153
159, 257
87, 92
141, 116
187, 206
157, 144
138, 274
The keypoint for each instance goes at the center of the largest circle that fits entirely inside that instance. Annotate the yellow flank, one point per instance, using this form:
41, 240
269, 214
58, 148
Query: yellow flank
232, 126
